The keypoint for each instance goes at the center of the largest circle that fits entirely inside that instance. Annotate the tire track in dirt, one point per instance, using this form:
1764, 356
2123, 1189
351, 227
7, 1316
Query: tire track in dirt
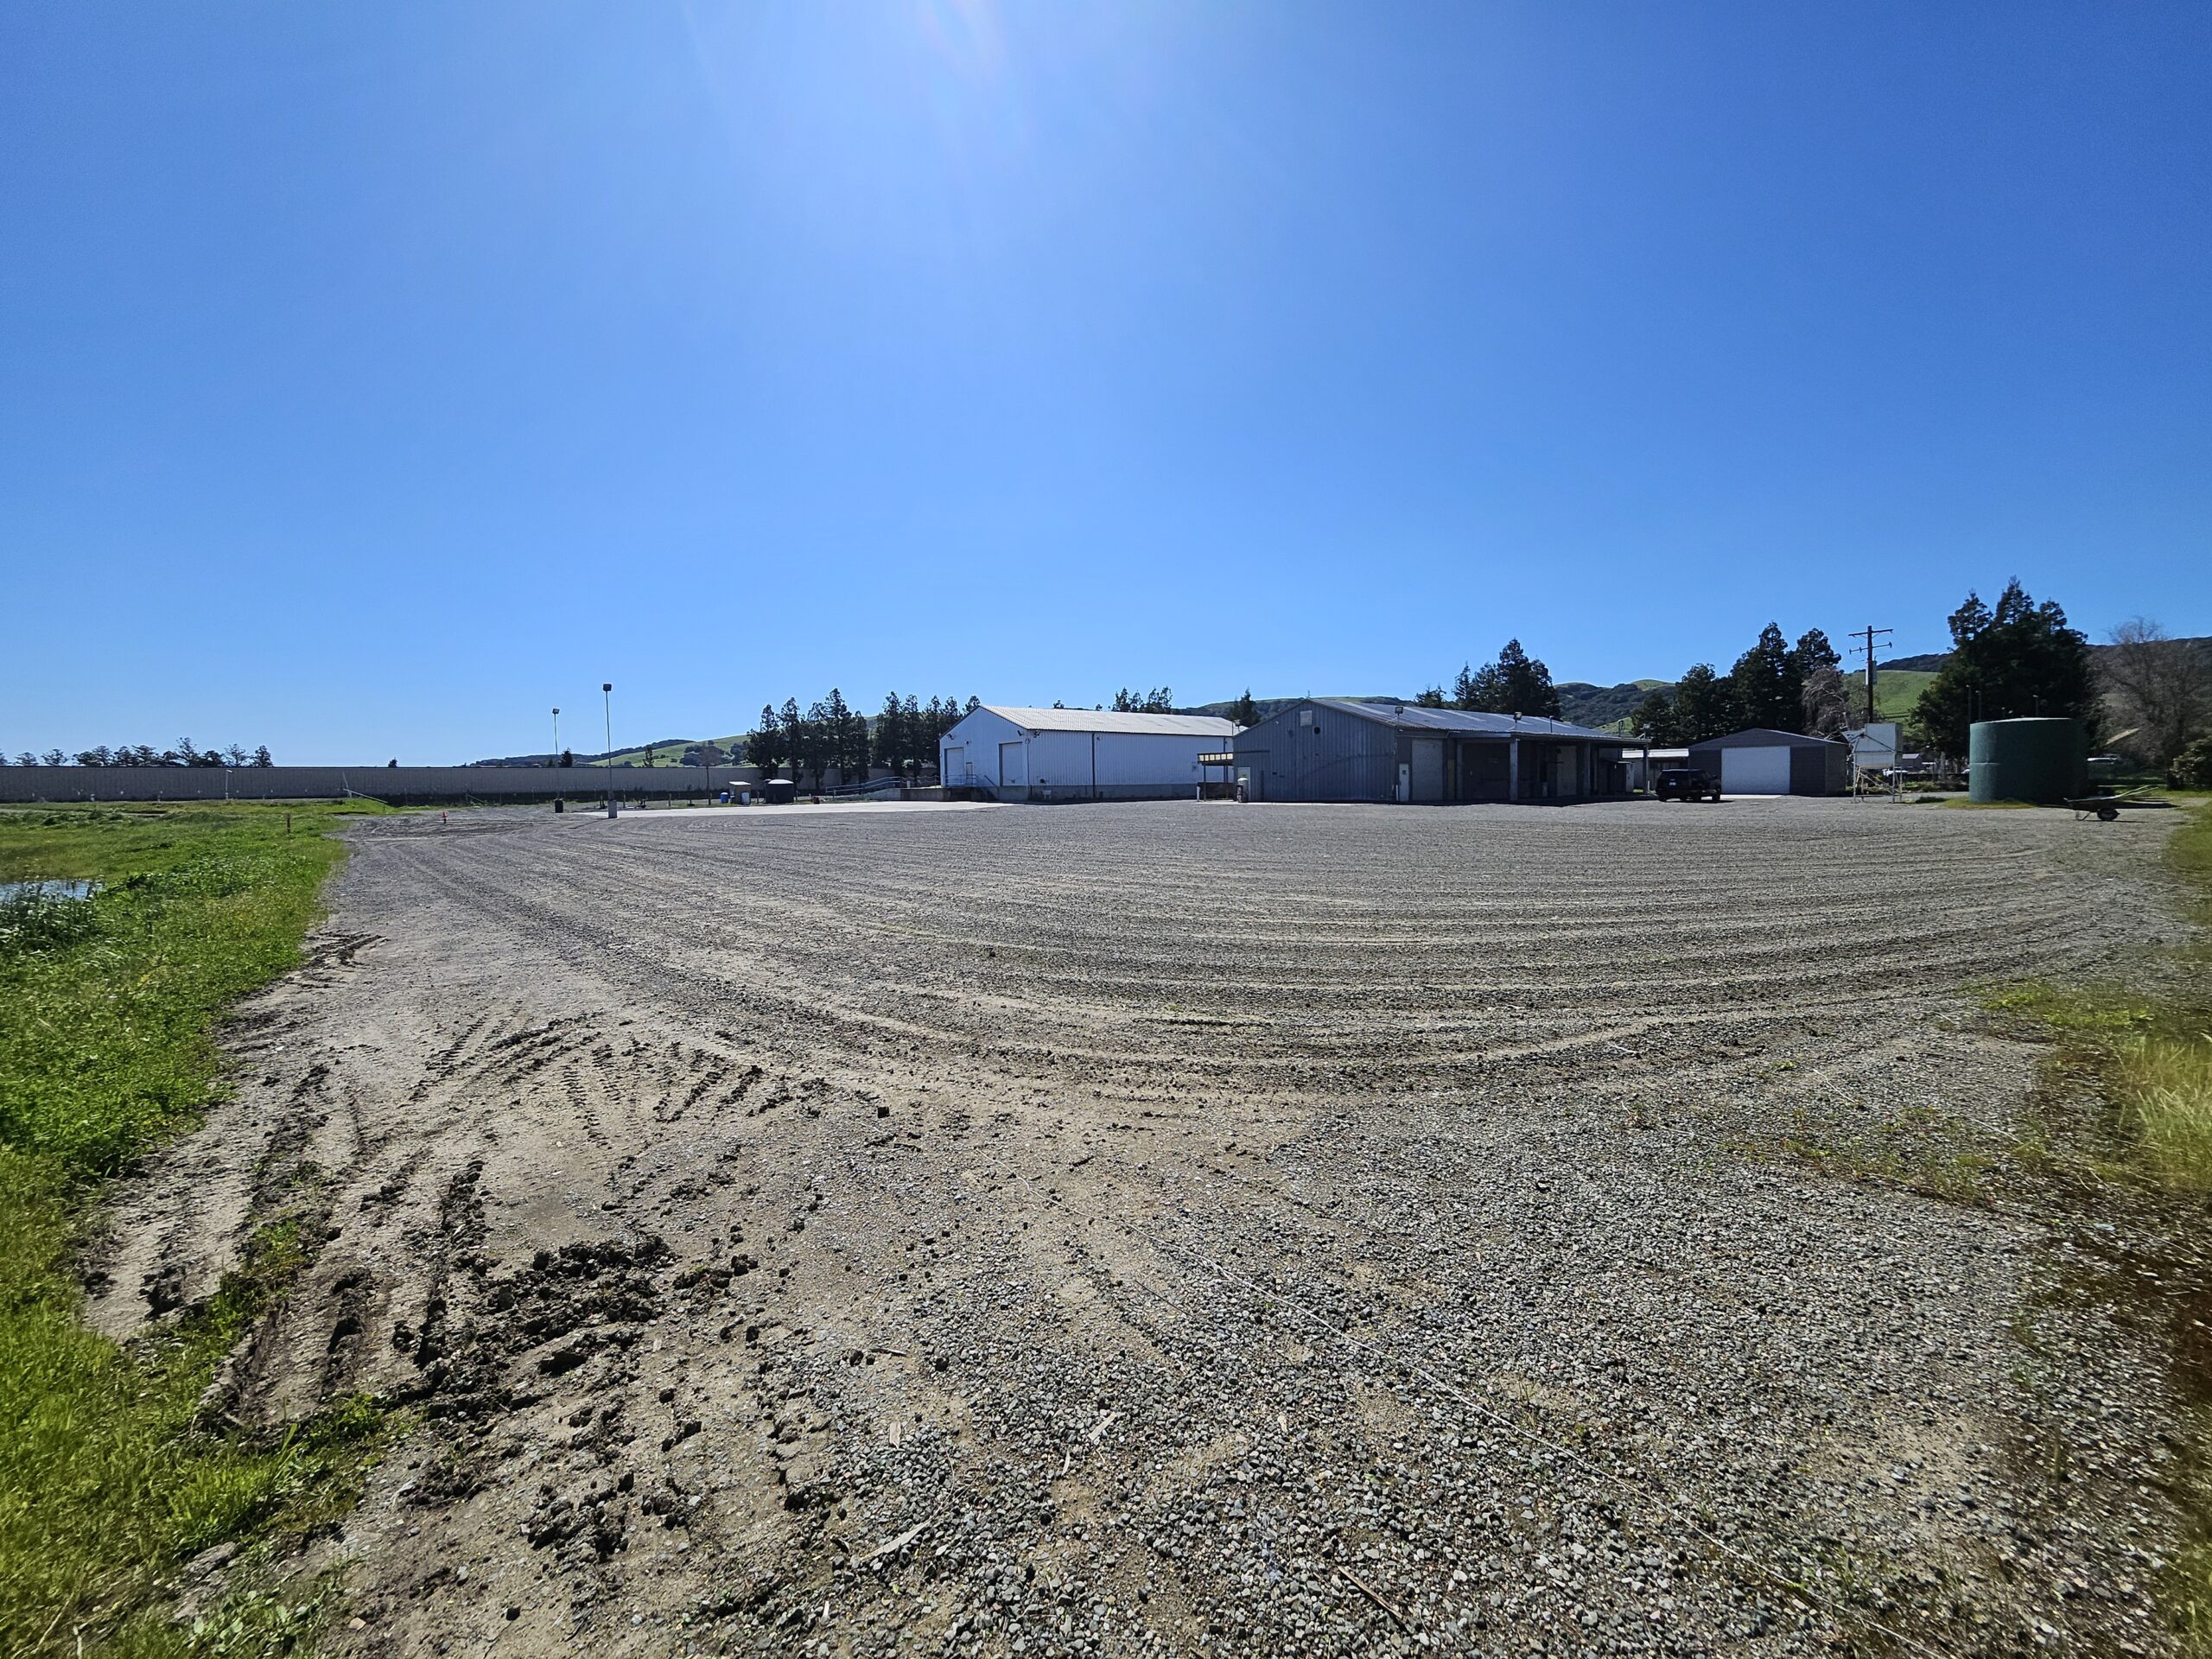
791, 1228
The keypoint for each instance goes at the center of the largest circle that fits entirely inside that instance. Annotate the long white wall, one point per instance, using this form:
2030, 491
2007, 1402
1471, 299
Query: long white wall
1071, 763
1121, 759
329, 783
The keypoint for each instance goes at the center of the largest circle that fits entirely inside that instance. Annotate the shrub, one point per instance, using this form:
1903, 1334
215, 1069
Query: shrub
2192, 767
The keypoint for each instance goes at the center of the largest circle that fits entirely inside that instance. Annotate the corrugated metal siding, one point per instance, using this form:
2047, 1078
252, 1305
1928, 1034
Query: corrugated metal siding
1337, 754
980, 733
1330, 755
1060, 761
1117, 765
1821, 771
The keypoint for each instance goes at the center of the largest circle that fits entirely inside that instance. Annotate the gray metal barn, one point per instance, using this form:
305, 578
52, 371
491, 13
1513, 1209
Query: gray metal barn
1336, 749
1761, 761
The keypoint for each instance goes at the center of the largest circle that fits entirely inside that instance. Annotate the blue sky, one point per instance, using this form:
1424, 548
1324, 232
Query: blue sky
374, 377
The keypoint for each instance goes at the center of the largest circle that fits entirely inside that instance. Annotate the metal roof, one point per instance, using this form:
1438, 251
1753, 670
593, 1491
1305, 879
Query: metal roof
1474, 722
1102, 720
1765, 737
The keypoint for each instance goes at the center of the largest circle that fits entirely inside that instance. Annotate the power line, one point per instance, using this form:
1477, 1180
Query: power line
1867, 633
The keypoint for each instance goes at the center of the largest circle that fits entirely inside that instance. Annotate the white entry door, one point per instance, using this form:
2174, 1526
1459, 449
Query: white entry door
1012, 765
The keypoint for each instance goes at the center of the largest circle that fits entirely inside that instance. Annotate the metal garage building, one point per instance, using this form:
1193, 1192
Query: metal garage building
1765, 762
1078, 754
1336, 749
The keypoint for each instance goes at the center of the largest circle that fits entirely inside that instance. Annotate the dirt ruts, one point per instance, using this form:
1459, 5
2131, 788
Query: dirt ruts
1168, 1228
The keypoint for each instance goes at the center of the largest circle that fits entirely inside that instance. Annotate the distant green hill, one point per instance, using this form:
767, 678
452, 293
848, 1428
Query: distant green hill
1600, 707
664, 752
1896, 690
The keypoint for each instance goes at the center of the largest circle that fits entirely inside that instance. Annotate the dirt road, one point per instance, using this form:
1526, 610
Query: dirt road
1165, 1228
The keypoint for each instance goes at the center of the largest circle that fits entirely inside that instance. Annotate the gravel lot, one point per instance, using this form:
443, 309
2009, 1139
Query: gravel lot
1168, 1228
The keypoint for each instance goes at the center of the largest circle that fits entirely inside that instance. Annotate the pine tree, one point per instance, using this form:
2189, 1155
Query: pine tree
1655, 720
889, 740
2020, 660
836, 718
1517, 683
1767, 694
1527, 683
1704, 706
1812, 652
1244, 711
794, 738
764, 746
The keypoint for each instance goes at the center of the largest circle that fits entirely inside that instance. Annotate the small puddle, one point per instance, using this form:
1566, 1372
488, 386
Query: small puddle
47, 890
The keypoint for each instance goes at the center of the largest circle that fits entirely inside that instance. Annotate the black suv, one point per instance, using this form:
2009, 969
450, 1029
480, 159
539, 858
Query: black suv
1686, 784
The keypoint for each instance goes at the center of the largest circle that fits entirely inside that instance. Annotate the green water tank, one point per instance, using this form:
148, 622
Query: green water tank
2043, 760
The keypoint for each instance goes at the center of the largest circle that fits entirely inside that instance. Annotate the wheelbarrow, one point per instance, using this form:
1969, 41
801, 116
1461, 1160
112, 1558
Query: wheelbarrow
2107, 807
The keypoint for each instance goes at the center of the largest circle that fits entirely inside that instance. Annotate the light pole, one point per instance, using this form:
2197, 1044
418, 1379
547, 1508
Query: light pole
607, 691
556, 737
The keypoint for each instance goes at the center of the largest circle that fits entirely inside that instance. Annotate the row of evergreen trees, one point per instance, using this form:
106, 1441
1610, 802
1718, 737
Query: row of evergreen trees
2019, 657
830, 735
186, 754
1775, 685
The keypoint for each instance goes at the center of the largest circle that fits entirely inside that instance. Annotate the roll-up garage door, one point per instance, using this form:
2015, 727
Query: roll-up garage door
1429, 769
1012, 765
1755, 772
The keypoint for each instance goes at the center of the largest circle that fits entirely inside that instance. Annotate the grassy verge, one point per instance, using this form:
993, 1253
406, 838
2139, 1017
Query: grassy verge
2146, 1048
110, 1481
2150, 1050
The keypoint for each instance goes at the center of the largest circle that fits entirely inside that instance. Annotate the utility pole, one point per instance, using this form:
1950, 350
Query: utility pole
1867, 634
607, 692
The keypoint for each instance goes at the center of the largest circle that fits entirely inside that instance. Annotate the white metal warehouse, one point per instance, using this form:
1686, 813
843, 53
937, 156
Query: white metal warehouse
1075, 755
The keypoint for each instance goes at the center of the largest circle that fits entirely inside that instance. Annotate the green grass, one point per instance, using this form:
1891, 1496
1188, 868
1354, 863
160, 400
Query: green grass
671, 753
2150, 1053
109, 1480
1896, 691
